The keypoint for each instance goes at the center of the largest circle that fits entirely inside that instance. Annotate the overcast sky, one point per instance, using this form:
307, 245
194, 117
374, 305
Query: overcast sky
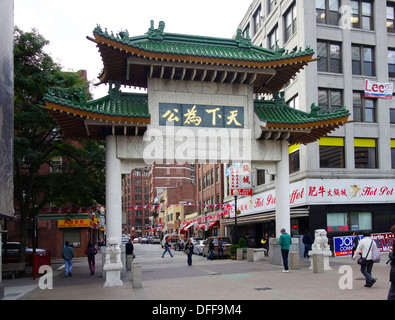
66, 23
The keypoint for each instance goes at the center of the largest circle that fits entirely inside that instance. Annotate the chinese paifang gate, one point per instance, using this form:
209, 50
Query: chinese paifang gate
193, 83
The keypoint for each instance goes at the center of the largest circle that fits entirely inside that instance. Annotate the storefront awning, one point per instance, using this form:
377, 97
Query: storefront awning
201, 226
213, 224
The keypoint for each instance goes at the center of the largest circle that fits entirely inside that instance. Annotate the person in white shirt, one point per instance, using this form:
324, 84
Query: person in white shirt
365, 247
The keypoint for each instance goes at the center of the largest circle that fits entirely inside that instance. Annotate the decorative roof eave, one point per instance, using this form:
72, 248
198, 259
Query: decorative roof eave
279, 121
278, 62
93, 115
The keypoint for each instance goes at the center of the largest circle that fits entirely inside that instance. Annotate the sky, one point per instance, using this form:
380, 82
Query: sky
67, 23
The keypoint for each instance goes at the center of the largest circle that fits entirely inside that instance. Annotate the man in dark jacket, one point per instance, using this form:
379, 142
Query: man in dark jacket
307, 241
68, 255
129, 247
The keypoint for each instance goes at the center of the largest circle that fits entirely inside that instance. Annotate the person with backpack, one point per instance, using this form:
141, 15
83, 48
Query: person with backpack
91, 251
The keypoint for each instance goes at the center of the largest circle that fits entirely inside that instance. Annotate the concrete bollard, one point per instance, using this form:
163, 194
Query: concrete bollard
239, 254
136, 275
318, 263
294, 261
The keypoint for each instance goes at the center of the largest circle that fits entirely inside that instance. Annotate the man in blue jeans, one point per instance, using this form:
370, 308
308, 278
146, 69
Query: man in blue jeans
285, 243
68, 255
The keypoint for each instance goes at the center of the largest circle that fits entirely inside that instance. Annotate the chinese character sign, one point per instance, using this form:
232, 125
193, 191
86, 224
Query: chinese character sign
240, 179
201, 115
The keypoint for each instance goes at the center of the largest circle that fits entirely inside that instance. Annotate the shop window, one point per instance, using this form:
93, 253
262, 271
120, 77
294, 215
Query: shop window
73, 236
365, 153
331, 152
294, 158
349, 221
327, 12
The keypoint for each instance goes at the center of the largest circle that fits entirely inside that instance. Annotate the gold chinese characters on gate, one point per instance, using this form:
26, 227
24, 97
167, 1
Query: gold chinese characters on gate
201, 115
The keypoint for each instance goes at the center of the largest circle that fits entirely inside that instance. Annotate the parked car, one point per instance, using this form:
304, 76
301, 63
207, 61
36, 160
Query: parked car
13, 252
198, 247
136, 240
226, 243
144, 240
179, 245
155, 240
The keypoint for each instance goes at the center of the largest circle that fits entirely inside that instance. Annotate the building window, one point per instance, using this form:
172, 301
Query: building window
391, 63
349, 221
271, 4
260, 176
290, 22
365, 153
330, 56
364, 109
55, 165
246, 32
390, 17
330, 100
273, 38
294, 156
294, 102
392, 110
327, 12
393, 154
362, 14
362, 60
258, 18
332, 152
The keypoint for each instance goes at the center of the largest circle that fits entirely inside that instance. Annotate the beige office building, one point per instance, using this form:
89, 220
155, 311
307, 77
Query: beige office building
345, 182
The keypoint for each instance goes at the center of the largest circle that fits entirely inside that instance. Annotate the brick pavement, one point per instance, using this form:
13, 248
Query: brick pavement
171, 279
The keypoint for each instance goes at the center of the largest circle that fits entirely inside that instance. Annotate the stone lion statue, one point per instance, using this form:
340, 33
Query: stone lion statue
320, 241
113, 251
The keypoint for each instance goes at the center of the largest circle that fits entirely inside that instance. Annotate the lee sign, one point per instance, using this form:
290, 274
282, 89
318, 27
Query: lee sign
375, 89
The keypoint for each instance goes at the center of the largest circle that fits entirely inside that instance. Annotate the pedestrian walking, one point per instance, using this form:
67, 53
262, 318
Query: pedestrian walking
101, 244
285, 243
167, 249
355, 242
189, 251
68, 255
91, 251
220, 248
391, 256
308, 242
210, 249
129, 248
365, 248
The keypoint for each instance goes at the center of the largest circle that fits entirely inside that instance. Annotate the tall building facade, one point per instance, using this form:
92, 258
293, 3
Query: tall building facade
135, 202
161, 178
345, 182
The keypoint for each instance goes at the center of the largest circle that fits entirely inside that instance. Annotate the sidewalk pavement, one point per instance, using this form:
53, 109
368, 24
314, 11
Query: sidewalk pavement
221, 280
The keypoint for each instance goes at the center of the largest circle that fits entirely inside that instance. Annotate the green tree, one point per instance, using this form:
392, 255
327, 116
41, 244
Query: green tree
37, 138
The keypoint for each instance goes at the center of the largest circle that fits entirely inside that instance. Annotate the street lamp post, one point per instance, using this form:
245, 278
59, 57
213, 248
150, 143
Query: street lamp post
235, 194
